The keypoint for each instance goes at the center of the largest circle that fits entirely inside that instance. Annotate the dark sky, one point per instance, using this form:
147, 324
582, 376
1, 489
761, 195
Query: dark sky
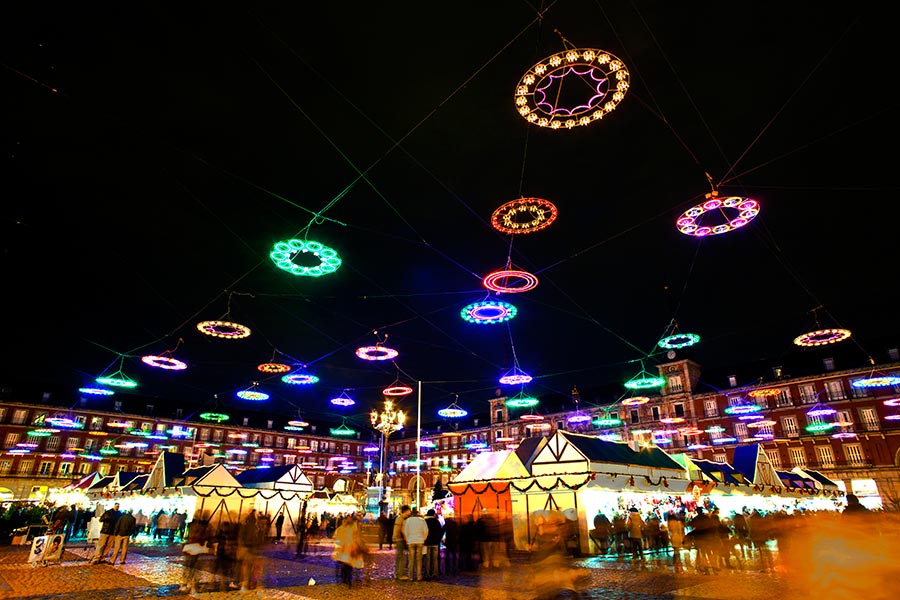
152, 156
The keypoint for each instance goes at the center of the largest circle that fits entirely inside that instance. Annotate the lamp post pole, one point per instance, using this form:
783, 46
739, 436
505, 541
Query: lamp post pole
387, 422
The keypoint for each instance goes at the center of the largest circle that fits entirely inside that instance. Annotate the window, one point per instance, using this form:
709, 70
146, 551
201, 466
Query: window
291, 443
26, 466
784, 397
774, 458
65, 468
679, 410
834, 390
150, 409
96, 423
46, 467
103, 469
89, 444
789, 425
72, 442
345, 450
719, 458
246, 421
674, 384
147, 427
854, 454
85, 468
267, 441
710, 408
2, 414
179, 412
5, 466
279, 441
38, 418
11, 440
217, 435
19, 416
655, 411
732, 380
117, 406
735, 400
269, 424
797, 456
740, 431
498, 434
498, 416
204, 435
828, 363
825, 456
314, 445
290, 459
53, 442
869, 418
807, 393
635, 416
859, 392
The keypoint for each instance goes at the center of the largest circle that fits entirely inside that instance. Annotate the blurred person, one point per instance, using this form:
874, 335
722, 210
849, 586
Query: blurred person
279, 523
348, 548
124, 530
451, 546
198, 533
401, 560
384, 530
675, 529
107, 527
760, 534
141, 521
225, 565
433, 545
741, 531
854, 506
415, 530
635, 525
620, 533
601, 532
249, 544
550, 573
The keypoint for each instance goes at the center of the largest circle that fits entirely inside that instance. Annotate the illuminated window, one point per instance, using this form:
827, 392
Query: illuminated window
854, 454
38, 418
740, 431
291, 443
53, 442
89, 445
834, 390
783, 398
217, 435
674, 384
719, 458
65, 468
279, 441
5, 466
85, 468
19, 416
103, 469
807, 393
267, 441
46, 467
73, 442
869, 418
25, 467
204, 435
96, 423
789, 425
774, 458
11, 440
711, 408
797, 456
825, 456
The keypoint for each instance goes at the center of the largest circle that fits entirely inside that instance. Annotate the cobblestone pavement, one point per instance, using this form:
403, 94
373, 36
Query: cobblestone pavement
157, 571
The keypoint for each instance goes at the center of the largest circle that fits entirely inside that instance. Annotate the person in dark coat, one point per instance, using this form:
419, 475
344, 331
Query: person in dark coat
433, 545
384, 531
107, 528
451, 546
122, 533
279, 523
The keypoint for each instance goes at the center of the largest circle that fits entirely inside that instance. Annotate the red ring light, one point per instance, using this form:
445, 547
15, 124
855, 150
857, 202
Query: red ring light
746, 209
498, 281
273, 368
541, 213
397, 390
377, 352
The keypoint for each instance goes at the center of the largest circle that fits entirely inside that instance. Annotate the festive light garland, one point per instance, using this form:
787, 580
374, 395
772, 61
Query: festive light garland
520, 400
453, 412
819, 427
820, 410
742, 409
764, 393
880, 381
601, 73
300, 379
252, 395
715, 429
531, 417
539, 212
750, 417
843, 435
515, 377
372, 449
678, 340
578, 418
164, 362
892, 418
214, 416
298, 423
671, 420
892, 402
118, 379
96, 391
607, 422
644, 380
821, 337
343, 400
376, 352
747, 209
724, 440
499, 281
342, 431
273, 367
488, 312
224, 329
284, 252
762, 423
635, 401
397, 390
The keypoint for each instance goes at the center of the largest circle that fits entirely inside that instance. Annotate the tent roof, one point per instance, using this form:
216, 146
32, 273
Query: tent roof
528, 449
745, 459
826, 483
486, 466
136, 483
102, 483
264, 475
597, 450
720, 472
123, 478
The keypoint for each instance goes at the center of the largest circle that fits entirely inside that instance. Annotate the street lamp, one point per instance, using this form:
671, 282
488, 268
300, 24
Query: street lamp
387, 422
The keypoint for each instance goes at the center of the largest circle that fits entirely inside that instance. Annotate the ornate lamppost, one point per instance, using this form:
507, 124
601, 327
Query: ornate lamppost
387, 422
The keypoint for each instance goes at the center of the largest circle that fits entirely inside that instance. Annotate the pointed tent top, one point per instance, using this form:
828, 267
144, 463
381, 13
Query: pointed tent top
597, 450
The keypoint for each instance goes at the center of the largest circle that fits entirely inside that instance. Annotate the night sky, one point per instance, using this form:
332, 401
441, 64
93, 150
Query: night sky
152, 156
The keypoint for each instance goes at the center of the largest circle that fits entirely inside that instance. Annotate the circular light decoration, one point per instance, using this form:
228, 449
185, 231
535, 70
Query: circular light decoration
214, 416
698, 446
515, 377
164, 362
820, 410
273, 367
690, 431
678, 340
724, 440
871, 382
39, 433
635, 401
819, 427
377, 352
293, 428
762, 423
510, 281
343, 400
224, 329
520, 400
92, 391
578, 418
892, 418
397, 390
298, 423
453, 412
532, 417
283, 254
119, 379
488, 312
252, 395
641, 431
764, 393
643, 381
372, 449
607, 422
342, 431
822, 337
750, 417
843, 435
744, 209
892, 402
742, 408
525, 215
715, 429
599, 79
299, 379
